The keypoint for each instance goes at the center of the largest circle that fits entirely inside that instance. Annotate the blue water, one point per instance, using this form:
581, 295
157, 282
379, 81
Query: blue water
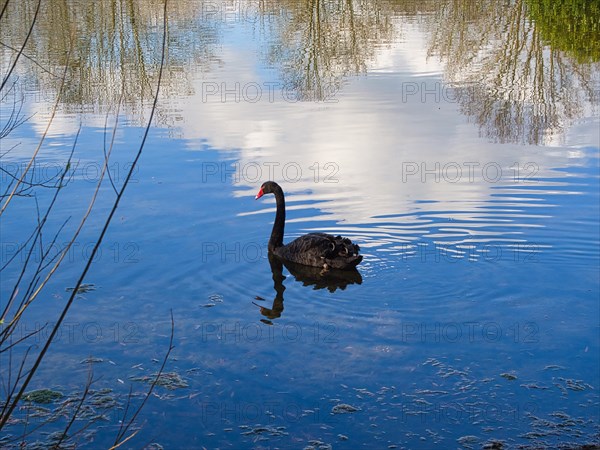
475, 319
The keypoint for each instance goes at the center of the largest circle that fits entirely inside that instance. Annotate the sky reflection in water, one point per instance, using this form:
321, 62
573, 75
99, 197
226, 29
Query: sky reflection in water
475, 205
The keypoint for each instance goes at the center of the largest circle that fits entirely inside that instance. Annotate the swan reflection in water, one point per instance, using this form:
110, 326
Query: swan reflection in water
331, 280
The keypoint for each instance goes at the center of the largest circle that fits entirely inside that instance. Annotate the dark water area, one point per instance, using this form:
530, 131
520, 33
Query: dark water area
460, 152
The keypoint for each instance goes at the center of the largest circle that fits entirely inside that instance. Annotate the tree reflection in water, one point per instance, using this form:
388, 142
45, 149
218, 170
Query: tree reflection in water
511, 71
506, 76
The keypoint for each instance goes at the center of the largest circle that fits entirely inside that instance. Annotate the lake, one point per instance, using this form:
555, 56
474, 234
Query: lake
457, 143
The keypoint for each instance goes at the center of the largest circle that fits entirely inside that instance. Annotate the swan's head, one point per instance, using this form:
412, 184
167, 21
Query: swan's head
268, 187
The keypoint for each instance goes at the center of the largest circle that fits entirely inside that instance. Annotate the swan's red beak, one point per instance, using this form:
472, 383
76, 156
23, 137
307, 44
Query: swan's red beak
259, 195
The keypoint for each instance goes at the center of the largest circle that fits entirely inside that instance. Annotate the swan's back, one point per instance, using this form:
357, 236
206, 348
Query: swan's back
321, 250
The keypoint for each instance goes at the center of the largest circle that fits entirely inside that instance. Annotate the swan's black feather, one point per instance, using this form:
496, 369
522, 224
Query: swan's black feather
321, 250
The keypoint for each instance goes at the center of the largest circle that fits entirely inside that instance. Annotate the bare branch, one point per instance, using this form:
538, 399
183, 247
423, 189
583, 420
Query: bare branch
14, 64
125, 426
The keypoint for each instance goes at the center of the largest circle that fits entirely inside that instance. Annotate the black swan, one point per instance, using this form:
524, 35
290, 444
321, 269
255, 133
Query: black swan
313, 249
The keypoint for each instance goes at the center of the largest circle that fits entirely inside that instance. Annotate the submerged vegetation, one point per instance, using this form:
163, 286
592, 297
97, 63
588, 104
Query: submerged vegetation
43, 396
169, 380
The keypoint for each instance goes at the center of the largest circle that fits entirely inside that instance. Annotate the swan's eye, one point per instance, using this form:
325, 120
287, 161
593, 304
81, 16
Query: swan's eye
344, 251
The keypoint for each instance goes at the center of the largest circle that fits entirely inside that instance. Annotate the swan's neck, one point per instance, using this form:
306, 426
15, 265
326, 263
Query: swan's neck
276, 239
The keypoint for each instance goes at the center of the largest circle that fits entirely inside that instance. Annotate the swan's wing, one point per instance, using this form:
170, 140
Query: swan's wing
317, 244
321, 250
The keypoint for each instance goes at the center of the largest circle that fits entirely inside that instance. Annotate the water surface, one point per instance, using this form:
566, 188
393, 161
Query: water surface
458, 145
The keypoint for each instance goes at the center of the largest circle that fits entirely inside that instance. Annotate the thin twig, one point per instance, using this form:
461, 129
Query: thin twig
112, 141
125, 427
14, 64
78, 408
54, 109
37, 233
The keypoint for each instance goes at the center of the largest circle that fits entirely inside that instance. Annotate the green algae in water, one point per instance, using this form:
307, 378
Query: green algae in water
43, 396
318, 445
268, 430
39, 411
91, 360
576, 385
169, 380
104, 401
154, 446
468, 441
493, 445
89, 407
344, 408
83, 288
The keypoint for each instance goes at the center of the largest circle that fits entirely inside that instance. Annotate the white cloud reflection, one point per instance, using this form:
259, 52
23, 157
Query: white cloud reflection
386, 149
396, 137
